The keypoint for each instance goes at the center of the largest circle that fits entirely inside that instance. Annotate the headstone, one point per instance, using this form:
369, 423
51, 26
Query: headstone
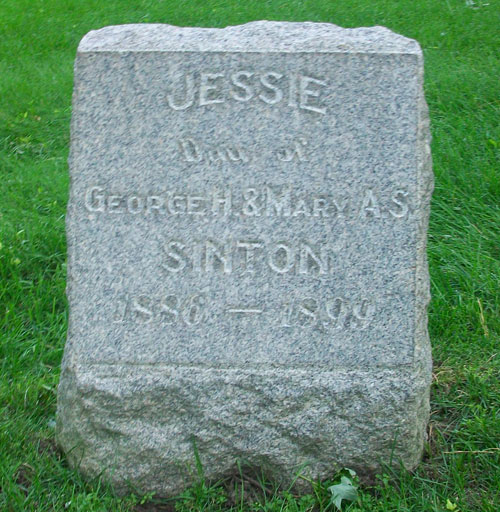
247, 272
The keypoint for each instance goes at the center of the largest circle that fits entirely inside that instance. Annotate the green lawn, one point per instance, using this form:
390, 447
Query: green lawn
460, 38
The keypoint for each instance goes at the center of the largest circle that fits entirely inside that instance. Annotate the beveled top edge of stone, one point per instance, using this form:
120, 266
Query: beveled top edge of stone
257, 36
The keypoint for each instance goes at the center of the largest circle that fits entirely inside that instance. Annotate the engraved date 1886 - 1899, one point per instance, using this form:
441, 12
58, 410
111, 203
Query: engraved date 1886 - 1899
336, 312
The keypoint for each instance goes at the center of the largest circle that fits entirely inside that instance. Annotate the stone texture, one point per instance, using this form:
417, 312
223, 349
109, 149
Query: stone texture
246, 253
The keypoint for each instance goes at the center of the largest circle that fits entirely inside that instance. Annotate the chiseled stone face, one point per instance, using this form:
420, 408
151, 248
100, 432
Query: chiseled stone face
247, 271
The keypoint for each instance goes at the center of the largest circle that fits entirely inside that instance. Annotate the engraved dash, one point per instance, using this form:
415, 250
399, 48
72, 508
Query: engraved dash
247, 311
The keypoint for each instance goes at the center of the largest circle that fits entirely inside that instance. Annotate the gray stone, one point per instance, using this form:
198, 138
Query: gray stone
247, 270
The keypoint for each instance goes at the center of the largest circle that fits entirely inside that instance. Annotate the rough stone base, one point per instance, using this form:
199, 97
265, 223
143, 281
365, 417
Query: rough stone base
283, 422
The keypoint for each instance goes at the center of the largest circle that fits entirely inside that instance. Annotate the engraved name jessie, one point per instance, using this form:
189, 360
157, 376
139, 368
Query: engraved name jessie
266, 88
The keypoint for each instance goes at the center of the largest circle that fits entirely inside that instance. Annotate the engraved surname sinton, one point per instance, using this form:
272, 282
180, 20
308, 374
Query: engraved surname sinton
250, 256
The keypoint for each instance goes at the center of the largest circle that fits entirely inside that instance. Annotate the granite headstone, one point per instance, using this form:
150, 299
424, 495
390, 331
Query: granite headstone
247, 269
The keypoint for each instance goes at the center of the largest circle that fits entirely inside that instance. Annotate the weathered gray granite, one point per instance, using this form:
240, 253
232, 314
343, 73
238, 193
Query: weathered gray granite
247, 268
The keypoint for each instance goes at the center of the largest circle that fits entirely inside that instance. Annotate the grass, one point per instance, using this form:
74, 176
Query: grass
461, 467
